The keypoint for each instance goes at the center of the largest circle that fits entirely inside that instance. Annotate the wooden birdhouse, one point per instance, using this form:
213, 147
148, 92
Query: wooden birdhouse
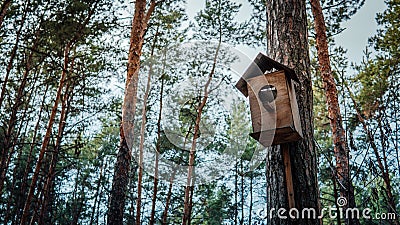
273, 105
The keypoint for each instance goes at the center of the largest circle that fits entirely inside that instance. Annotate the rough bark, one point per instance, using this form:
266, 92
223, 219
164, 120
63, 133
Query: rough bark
287, 43
335, 118
122, 166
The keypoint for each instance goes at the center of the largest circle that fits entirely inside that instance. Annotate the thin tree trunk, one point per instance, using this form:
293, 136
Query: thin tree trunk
192, 153
9, 135
48, 185
251, 197
47, 136
241, 192
335, 117
191, 204
168, 200
4, 7
122, 166
142, 134
49, 128
17, 171
22, 191
158, 148
13, 52
96, 195
236, 193
287, 43
385, 174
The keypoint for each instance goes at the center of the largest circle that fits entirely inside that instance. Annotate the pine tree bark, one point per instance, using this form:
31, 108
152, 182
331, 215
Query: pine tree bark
287, 43
335, 118
122, 165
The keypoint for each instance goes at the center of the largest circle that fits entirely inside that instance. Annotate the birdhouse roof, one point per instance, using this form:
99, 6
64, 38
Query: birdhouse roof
261, 64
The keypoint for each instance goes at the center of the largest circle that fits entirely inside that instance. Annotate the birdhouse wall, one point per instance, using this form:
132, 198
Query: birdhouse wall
274, 110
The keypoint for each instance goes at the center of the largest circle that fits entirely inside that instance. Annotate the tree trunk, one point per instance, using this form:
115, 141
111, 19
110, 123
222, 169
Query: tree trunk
338, 134
46, 139
10, 133
236, 193
122, 165
48, 187
158, 148
251, 197
22, 190
3, 12
192, 153
168, 200
142, 136
13, 53
384, 173
97, 194
241, 192
287, 43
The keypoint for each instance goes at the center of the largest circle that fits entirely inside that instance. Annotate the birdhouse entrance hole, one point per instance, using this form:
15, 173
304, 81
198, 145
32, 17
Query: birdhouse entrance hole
267, 95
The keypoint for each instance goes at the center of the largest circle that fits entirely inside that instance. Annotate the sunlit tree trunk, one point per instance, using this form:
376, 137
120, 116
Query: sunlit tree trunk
335, 118
122, 166
287, 43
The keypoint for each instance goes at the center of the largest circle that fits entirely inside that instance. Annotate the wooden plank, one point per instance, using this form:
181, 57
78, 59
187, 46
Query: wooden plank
295, 108
288, 175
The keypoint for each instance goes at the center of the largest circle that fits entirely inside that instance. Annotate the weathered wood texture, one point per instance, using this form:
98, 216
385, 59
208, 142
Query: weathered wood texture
274, 121
287, 43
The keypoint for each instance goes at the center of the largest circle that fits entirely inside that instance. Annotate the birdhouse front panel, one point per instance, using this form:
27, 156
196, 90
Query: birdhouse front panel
274, 110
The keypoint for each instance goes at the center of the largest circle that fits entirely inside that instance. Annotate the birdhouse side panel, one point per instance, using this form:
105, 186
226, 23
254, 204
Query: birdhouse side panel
295, 109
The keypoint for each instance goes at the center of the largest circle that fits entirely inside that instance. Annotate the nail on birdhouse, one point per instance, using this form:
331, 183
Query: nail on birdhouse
273, 105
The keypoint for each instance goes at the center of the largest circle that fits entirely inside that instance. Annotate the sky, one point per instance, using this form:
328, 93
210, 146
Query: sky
359, 28
354, 38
